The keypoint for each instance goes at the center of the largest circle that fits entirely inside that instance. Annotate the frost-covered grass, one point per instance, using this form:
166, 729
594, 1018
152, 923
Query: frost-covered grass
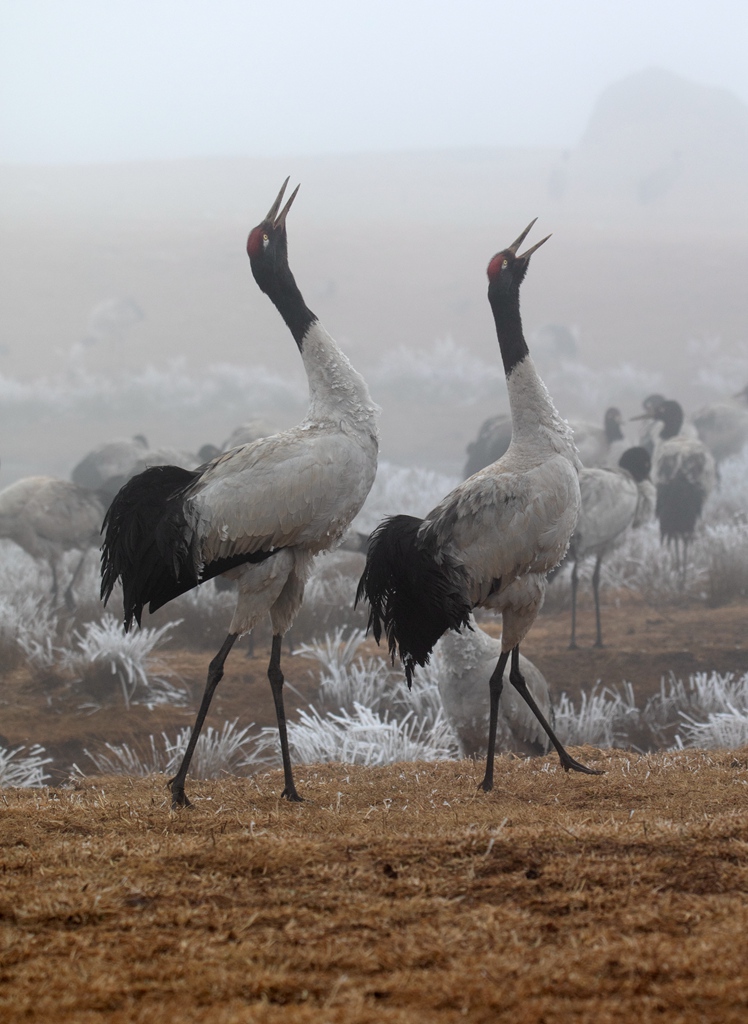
604, 717
23, 770
217, 752
402, 489
104, 656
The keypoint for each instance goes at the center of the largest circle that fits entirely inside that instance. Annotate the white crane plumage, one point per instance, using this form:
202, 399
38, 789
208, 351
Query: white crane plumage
260, 512
490, 542
466, 662
47, 517
723, 426
612, 501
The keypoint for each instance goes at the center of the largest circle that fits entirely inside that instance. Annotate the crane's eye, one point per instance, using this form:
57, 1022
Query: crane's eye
265, 240
505, 264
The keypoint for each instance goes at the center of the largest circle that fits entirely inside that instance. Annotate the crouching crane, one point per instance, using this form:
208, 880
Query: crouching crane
258, 513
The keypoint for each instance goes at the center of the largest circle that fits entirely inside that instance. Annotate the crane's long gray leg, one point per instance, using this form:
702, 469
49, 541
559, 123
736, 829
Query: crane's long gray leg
574, 582
518, 682
596, 592
69, 601
495, 685
215, 675
55, 588
275, 675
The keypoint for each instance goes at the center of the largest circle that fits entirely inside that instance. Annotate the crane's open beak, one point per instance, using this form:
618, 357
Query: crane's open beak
273, 217
518, 242
643, 416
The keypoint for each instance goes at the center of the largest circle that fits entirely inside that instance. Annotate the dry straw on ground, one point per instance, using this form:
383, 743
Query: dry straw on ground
392, 894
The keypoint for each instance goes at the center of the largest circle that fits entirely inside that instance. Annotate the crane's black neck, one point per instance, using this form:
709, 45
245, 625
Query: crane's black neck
506, 315
285, 295
613, 430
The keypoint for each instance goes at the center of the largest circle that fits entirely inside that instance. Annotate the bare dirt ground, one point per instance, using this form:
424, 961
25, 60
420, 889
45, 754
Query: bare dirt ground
392, 894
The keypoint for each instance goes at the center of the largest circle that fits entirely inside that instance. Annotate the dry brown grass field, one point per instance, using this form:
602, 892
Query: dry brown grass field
392, 894
398, 893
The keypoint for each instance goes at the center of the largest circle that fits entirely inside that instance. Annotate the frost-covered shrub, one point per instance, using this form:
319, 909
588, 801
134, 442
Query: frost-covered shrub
17, 769
722, 729
217, 752
406, 490
104, 655
681, 706
329, 597
364, 736
603, 719
725, 550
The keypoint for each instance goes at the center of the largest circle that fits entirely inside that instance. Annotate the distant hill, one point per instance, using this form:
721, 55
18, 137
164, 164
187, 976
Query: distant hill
657, 140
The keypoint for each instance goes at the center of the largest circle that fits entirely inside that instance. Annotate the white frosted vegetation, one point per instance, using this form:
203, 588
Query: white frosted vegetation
23, 770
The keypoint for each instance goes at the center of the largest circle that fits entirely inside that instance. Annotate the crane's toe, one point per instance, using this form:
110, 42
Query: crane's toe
290, 794
569, 764
178, 796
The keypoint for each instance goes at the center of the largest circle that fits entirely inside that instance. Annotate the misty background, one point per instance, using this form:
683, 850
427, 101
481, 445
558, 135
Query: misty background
140, 142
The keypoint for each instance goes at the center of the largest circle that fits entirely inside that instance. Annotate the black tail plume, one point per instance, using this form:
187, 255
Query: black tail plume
147, 541
416, 593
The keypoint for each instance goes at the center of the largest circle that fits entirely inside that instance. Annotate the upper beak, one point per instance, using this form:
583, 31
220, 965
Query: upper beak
278, 220
518, 242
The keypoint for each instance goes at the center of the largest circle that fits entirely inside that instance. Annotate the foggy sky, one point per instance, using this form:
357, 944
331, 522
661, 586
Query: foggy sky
158, 79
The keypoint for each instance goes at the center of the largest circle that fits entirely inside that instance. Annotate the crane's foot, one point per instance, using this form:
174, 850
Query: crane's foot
573, 646
599, 644
178, 796
290, 794
570, 765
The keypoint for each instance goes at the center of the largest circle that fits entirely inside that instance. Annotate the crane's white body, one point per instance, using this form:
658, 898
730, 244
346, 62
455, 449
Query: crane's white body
47, 517
298, 490
612, 501
465, 663
513, 519
723, 428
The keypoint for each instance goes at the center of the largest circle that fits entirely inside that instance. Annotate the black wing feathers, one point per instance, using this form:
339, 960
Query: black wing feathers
149, 543
415, 597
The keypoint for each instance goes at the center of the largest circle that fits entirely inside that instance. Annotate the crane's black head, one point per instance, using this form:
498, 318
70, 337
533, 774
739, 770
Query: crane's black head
637, 462
506, 270
505, 274
267, 248
267, 245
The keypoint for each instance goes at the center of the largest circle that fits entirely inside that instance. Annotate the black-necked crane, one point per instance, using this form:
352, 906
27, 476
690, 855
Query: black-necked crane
612, 501
466, 662
490, 542
723, 426
47, 517
599, 446
684, 474
259, 512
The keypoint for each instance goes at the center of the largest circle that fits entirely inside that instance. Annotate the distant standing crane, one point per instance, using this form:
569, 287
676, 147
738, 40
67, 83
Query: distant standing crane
47, 517
612, 501
259, 512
